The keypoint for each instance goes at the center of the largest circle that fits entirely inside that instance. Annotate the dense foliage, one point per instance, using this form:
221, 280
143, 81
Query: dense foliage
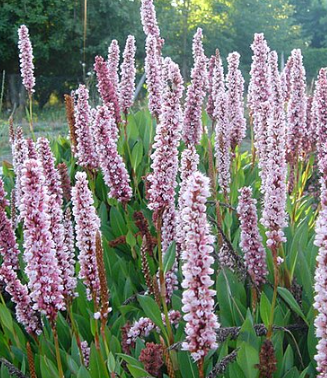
162, 242
65, 53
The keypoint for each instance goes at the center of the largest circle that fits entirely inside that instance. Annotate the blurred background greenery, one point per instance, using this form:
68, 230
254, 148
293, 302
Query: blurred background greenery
67, 34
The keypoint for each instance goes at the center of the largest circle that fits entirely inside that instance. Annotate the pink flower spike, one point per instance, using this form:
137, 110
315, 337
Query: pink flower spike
113, 63
197, 46
251, 241
8, 271
86, 155
189, 164
153, 76
20, 154
319, 121
192, 125
258, 92
50, 171
296, 109
149, 22
87, 226
258, 96
106, 88
235, 102
274, 204
215, 82
321, 277
26, 59
198, 303
57, 227
163, 178
32, 154
128, 71
111, 163
8, 247
286, 78
25, 313
68, 263
3, 200
42, 266
222, 142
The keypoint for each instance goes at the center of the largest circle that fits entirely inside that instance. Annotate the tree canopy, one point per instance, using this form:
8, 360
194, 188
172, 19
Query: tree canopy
57, 31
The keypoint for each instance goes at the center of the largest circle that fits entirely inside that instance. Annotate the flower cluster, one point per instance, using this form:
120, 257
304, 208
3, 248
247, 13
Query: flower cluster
51, 173
32, 153
192, 124
198, 304
111, 163
189, 164
258, 93
68, 265
3, 200
86, 155
20, 154
197, 46
296, 108
235, 103
286, 78
26, 59
9, 268
141, 328
128, 71
153, 75
106, 87
223, 141
251, 242
165, 156
113, 63
42, 267
149, 22
321, 277
319, 117
151, 357
274, 205
87, 225
215, 82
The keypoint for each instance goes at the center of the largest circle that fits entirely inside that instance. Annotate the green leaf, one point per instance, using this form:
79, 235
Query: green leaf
138, 372
290, 300
117, 222
288, 359
169, 257
152, 311
293, 373
137, 154
111, 363
83, 373
129, 359
48, 368
265, 308
189, 369
130, 239
247, 359
6, 318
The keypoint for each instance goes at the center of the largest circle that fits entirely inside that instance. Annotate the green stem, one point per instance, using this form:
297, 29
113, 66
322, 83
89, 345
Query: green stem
59, 364
75, 331
274, 251
297, 191
31, 115
162, 283
137, 190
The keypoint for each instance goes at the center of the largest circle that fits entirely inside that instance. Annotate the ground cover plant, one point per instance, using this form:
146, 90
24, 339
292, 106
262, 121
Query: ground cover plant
149, 243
